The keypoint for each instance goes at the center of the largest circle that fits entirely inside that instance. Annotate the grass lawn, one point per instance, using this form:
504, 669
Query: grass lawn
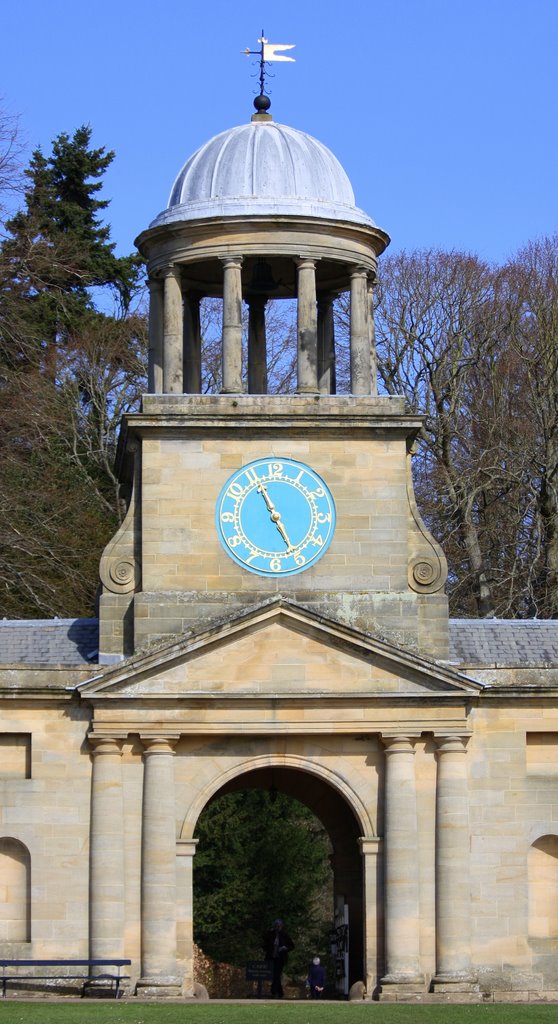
15, 1011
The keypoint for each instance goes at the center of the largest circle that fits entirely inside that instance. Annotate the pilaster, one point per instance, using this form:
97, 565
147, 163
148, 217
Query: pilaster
185, 851
370, 849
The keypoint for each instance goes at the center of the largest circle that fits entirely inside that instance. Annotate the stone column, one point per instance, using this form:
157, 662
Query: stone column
232, 325
185, 850
155, 355
326, 345
402, 919
369, 847
453, 896
172, 332
192, 344
257, 349
361, 377
106, 851
307, 328
158, 870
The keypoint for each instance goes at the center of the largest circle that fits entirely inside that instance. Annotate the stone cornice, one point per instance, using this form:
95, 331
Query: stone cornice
188, 237
177, 416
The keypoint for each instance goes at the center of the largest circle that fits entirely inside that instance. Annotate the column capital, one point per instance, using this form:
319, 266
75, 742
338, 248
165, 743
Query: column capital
306, 262
359, 271
159, 744
231, 261
154, 284
399, 744
451, 744
171, 270
105, 745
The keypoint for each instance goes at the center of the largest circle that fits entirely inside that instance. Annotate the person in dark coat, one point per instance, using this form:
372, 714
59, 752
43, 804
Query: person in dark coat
316, 979
277, 945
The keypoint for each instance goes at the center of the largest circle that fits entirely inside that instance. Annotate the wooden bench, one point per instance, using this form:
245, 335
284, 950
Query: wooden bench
8, 969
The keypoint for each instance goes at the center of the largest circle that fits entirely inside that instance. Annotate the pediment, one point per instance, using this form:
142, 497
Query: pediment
277, 649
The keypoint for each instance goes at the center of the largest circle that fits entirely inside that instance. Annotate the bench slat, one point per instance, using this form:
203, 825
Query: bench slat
86, 978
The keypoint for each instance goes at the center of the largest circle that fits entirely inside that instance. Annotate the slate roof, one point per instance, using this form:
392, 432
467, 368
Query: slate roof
504, 641
472, 641
49, 641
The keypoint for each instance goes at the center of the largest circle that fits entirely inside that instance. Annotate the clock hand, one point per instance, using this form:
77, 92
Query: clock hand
274, 514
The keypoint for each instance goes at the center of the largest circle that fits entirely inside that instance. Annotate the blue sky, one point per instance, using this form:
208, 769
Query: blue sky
444, 114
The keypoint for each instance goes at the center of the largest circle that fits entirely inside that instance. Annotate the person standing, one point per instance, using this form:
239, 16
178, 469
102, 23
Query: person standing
277, 945
316, 979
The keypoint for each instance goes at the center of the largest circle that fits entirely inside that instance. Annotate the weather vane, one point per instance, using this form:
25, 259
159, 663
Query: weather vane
267, 53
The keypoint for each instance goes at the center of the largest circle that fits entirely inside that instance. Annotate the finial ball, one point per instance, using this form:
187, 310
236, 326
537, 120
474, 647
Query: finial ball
262, 103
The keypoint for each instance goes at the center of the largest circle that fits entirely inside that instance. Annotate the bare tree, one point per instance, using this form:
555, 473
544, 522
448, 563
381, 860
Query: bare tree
280, 338
531, 297
11, 149
437, 332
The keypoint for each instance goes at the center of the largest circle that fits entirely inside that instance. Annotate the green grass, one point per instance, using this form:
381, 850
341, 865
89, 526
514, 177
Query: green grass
15, 1011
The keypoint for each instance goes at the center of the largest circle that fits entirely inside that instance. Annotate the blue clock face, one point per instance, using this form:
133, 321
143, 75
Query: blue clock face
275, 517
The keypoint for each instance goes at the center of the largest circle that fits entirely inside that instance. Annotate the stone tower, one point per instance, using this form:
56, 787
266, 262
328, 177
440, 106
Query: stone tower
263, 212
273, 613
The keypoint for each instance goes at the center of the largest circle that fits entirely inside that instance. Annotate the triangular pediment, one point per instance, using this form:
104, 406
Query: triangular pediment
278, 649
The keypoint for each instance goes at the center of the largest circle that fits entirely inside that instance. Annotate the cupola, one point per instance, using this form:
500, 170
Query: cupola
261, 211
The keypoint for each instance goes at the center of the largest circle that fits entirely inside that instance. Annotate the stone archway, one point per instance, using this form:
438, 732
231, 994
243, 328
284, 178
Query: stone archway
321, 792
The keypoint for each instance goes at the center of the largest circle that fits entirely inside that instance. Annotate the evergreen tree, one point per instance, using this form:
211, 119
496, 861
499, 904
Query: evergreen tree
68, 372
56, 251
260, 857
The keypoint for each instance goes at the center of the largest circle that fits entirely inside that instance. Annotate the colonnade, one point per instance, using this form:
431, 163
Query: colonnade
401, 865
175, 343
158, 861
400, 854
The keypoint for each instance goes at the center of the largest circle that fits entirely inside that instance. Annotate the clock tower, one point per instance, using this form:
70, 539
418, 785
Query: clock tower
273, 612
242, 496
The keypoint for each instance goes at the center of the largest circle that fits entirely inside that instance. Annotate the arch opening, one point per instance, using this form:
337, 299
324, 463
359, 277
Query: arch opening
272, 795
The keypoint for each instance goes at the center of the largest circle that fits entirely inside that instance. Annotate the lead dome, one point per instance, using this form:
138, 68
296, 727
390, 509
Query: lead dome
262, 168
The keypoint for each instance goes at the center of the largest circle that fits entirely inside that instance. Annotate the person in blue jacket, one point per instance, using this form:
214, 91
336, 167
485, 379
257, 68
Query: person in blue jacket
316, 979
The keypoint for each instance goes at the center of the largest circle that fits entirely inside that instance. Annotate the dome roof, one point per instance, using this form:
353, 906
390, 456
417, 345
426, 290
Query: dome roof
262, 169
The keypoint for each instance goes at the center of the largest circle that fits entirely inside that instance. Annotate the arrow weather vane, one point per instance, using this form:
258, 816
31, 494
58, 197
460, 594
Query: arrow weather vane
267, 53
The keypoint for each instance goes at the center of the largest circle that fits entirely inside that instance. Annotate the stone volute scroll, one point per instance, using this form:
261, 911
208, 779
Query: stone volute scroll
427, 567
120, 569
